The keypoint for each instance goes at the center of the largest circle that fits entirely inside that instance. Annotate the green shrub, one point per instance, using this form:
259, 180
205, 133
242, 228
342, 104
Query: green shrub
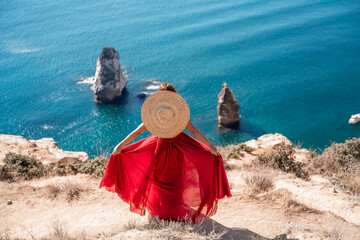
94, 167
61, 169
17, 165
283, 158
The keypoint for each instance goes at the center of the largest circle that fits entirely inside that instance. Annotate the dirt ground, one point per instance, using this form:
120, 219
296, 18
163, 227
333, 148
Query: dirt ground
72, 207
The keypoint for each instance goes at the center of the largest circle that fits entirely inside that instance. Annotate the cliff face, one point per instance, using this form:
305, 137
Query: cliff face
45, 150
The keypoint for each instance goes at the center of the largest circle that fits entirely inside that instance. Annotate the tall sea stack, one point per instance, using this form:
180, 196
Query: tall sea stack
228, 108
109, 79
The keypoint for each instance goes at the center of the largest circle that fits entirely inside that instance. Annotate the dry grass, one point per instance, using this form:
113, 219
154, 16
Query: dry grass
289, 204
282, 158
259, 182
57, 232
103, 152
352, 182
336, 233
233, 151
5, 236
70, 189
53, 190
162, 229
355, 200
341, 161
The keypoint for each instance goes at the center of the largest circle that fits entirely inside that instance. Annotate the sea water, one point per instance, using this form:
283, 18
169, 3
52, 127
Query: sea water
294, 67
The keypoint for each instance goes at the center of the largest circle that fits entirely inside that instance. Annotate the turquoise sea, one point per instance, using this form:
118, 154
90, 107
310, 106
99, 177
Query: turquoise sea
294, 67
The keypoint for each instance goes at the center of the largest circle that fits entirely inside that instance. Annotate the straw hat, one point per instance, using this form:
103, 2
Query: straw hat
165, 114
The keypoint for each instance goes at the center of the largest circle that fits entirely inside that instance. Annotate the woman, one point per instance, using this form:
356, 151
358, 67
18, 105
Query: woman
175, 177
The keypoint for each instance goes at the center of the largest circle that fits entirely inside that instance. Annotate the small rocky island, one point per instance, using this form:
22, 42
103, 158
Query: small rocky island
109, 79
228, 108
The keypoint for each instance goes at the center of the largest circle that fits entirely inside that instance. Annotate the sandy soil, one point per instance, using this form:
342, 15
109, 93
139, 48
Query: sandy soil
37, 209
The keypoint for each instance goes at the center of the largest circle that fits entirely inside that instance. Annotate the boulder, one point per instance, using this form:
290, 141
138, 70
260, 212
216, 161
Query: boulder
228, 107
273, 141
141, 95
109, 79
45, 150
268, 142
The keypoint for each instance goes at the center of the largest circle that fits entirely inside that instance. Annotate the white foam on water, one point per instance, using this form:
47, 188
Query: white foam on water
87, 80
95, 113
47, 127
17, 47
152, 87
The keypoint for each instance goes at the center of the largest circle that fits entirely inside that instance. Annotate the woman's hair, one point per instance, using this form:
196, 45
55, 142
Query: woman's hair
166, 87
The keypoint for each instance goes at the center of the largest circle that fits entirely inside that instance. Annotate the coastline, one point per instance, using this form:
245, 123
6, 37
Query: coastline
47, 151
298, 202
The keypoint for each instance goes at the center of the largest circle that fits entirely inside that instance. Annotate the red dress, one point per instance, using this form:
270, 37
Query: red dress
174, 178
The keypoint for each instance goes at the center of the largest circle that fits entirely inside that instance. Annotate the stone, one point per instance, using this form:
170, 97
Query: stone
67, 160
228, 107
109, 79
33, 145
274, 140
141, 95
268, 142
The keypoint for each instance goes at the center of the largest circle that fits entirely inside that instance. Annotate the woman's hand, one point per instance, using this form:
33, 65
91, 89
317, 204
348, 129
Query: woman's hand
117, 150
214, 150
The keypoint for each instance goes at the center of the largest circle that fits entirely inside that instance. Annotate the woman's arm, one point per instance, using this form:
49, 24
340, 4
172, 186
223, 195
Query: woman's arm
202, 138
140, 129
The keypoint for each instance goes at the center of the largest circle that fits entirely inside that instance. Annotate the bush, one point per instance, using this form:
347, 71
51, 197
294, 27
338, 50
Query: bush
95, 167
340, 157
21, 166
343, 161
283, 158
233, 151
3, 174
61, 169
17, 165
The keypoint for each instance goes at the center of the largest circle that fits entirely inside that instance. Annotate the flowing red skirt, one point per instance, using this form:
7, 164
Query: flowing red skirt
174, 178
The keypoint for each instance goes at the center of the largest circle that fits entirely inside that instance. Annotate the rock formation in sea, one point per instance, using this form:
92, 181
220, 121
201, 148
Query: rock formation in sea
109, 79
228, 108
141, 95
